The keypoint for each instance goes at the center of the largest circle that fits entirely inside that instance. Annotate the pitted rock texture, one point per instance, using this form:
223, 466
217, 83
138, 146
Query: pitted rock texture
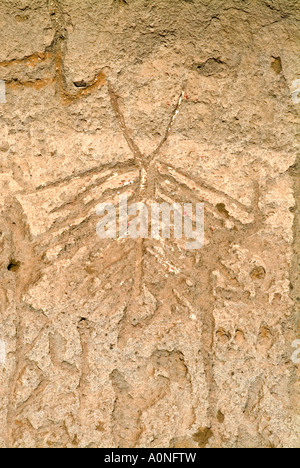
140, 343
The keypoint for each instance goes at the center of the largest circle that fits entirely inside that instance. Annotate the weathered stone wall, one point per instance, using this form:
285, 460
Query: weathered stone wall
140, 343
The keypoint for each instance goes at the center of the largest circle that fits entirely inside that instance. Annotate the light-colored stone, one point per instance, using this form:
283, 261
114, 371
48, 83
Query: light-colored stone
138, 343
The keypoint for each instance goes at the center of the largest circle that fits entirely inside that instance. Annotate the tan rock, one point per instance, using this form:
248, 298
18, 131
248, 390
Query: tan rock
140, 343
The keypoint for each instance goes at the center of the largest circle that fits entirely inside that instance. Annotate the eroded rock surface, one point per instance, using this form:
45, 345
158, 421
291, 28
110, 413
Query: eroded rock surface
140, 343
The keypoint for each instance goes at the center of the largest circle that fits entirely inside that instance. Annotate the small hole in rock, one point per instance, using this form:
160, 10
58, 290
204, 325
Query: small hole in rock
258, 273
222, 209
203, 436
14, 266
83, 323
80, 84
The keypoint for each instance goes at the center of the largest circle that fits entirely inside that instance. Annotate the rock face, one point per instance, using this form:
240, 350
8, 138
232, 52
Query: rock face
141, 343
